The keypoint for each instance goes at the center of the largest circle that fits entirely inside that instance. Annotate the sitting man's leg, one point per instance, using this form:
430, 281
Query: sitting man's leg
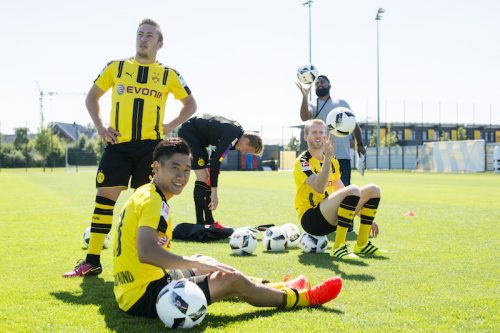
339, 209
224, 285
367, 207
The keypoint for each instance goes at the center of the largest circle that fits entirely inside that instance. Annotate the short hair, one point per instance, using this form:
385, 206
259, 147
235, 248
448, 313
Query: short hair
168, 147
310, 122
154, 24
324, 77
255, 141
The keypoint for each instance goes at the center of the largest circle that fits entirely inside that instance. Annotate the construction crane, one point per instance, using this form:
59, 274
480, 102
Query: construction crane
51, 93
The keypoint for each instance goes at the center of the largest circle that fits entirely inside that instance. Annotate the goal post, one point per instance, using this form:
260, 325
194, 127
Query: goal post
453, 156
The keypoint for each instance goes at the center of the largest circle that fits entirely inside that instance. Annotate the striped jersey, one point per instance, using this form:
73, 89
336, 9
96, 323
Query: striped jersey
146, 207
306, 197
139, 95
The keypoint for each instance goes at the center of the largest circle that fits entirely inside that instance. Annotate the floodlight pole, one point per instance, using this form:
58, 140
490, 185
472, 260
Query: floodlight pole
380, 13
309, 4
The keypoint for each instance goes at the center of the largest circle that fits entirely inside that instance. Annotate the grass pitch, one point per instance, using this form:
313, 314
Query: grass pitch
442, 273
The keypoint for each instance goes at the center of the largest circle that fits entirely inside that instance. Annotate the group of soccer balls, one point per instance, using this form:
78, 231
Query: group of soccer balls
243, 241
340, 121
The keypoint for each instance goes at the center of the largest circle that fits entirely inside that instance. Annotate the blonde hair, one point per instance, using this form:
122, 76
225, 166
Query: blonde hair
310, 122
154, 24
255, 141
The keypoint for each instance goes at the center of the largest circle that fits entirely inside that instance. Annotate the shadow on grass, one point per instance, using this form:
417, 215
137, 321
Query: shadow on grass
324, 260
224, 320
96, 291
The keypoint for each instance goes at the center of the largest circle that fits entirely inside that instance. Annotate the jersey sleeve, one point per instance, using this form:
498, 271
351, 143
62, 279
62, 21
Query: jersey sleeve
177, 85
105, 80
154, 214
301, 171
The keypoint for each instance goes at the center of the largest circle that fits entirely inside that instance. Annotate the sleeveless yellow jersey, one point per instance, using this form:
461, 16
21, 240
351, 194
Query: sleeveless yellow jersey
146, 207
138, 97
306, 197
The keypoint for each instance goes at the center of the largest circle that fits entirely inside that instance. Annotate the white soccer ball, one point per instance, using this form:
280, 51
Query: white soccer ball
313, 244
243, 242
341, 121
181, 304
86, 239
307, 74
274, 239
292, 233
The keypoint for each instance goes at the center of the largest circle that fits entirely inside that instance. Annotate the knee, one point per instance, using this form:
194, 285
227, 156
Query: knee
352, 190
235, 283
373, 190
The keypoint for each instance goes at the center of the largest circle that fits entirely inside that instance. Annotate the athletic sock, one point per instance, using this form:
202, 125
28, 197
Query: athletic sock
368, 212
293, 298
209, 218
102, 220
199, 200
345, 216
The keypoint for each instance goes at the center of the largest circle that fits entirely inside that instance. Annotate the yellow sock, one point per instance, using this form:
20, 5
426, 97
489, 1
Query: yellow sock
102, 220
345, 215
367, 215
340, 236
295, 298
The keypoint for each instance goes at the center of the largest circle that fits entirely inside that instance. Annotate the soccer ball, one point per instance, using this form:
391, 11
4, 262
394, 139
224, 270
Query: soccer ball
313, 244
292, 233
181, 304
243, 242
341, 121
86, 239
274, 239
307, 74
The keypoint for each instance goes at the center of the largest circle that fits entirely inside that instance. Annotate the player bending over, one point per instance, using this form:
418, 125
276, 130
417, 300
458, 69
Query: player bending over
322, 201
143, 262
223, 134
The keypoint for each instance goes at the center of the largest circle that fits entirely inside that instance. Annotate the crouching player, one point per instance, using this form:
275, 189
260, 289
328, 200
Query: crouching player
323, 203
143, 262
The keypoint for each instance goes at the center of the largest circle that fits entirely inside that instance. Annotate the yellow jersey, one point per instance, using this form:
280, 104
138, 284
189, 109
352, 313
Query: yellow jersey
139, 96
146, 207
306, 197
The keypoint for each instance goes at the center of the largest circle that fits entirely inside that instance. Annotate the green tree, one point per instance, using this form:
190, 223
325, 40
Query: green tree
293, 144
21, 139
390, 139
461, 133
444, 136
43, 144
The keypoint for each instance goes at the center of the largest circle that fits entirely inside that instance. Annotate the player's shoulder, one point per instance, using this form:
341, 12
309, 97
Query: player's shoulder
147, 194
304, 159
168, 68
337, 102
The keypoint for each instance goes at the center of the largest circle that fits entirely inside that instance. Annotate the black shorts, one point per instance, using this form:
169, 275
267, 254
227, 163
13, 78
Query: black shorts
146, 305
122, 161
314, 223
198, 149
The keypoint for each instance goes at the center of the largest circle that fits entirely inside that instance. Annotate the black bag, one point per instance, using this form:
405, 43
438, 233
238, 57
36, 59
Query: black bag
198, 233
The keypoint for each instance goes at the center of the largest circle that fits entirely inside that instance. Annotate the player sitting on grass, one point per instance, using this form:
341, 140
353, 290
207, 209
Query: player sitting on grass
324, 204
144, 264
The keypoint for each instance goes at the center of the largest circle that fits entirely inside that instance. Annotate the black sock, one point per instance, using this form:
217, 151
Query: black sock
209, 218
199, 200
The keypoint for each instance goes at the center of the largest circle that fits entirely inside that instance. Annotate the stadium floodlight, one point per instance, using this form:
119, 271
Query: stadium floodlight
309, 4
380, 13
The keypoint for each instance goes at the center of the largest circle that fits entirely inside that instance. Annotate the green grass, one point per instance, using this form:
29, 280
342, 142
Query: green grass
442, 273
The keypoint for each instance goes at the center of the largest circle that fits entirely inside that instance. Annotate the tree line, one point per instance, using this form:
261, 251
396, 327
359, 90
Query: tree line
47, 150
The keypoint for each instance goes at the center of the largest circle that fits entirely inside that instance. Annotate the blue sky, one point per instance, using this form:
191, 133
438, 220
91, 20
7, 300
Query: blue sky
240, 57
